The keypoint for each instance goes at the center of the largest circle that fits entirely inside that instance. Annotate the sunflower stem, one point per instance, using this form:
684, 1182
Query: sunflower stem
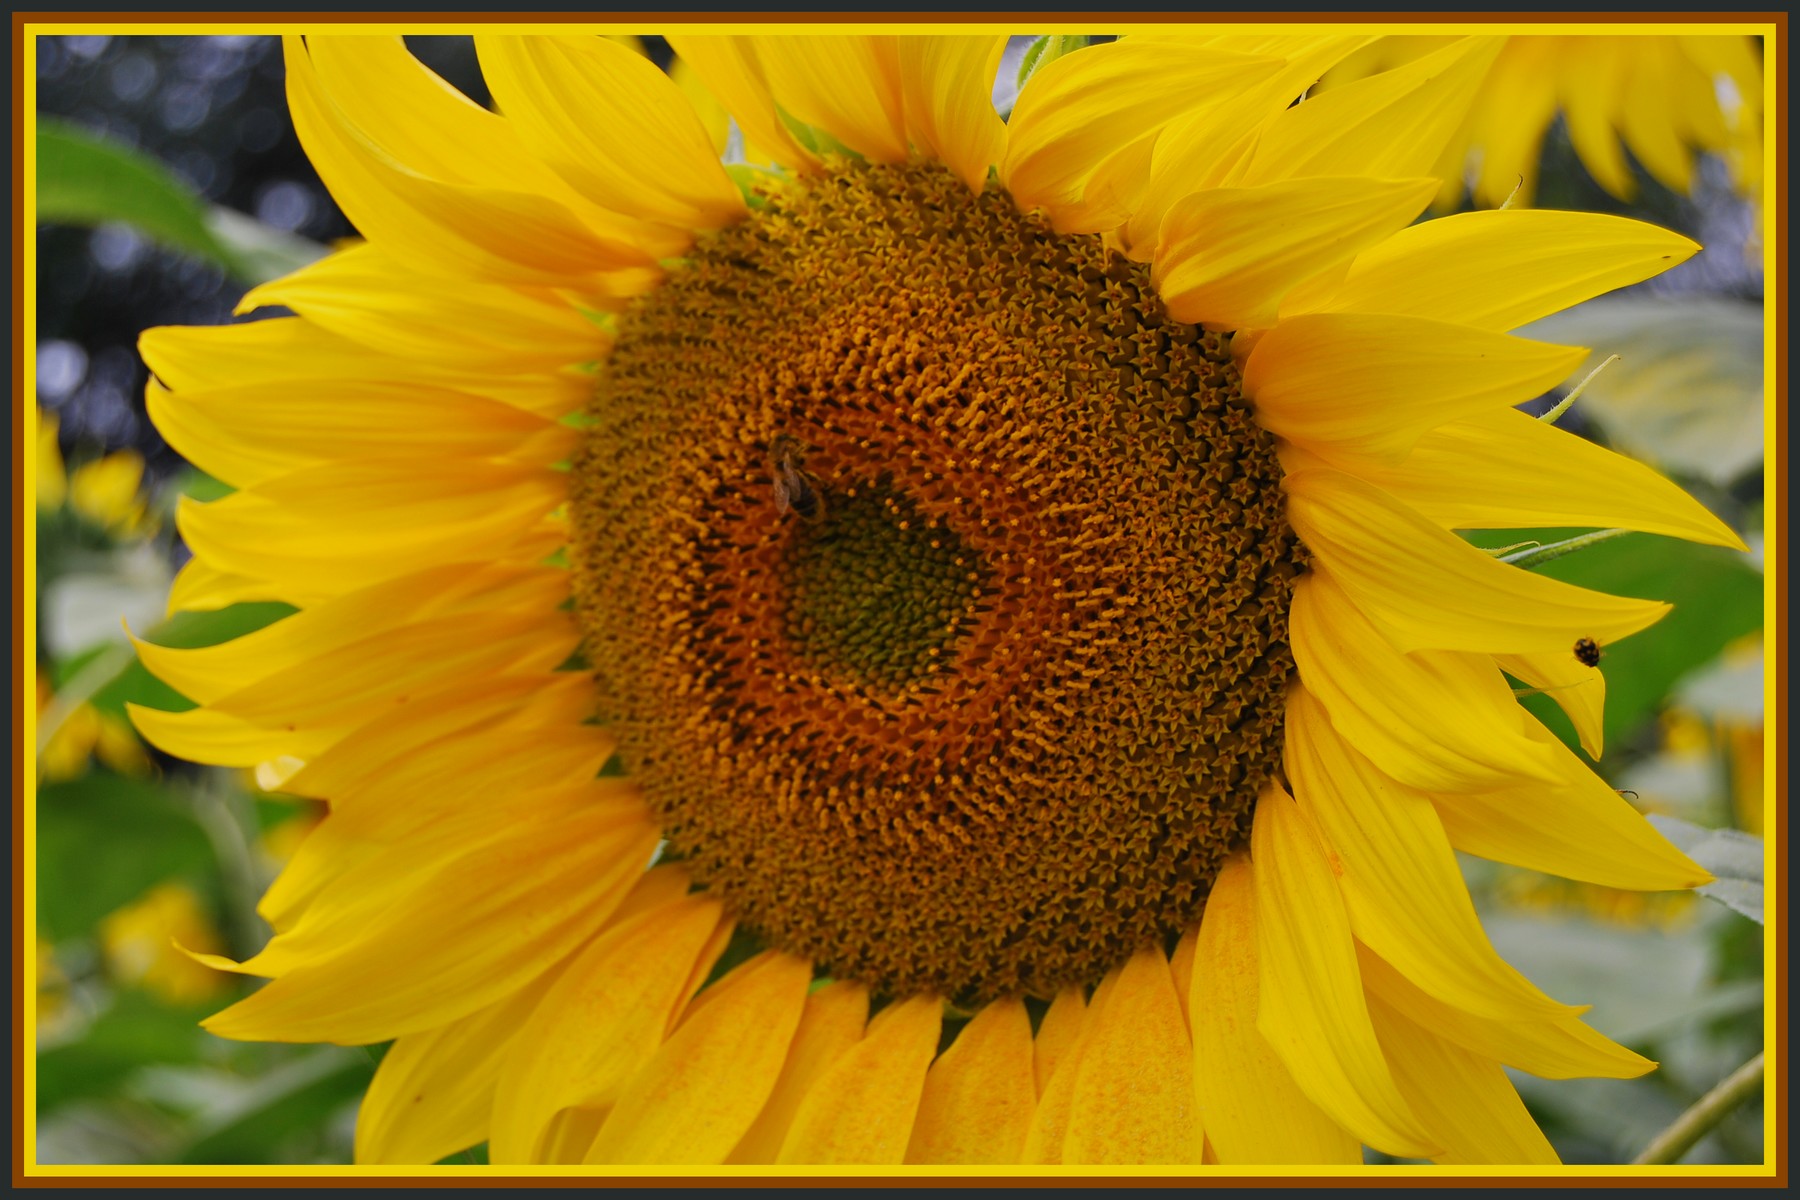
1672, 1143
1562, 406
1539, 555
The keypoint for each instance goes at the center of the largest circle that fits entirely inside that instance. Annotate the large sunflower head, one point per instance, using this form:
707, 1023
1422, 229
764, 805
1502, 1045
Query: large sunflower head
948, 647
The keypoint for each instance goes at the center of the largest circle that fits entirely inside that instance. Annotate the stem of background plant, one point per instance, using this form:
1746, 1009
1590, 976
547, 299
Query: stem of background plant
1672, 1143
81, 688
218, 809
1539, 555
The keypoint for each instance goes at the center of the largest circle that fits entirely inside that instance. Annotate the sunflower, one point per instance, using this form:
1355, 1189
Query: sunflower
949, 648
1662, 96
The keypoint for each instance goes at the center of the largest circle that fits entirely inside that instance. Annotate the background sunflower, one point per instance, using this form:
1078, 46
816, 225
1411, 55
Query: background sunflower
129, 1070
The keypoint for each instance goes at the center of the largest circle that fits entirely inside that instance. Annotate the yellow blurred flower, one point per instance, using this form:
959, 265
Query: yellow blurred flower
84, 734
1662, 97
140, 939
107, 492
52, 481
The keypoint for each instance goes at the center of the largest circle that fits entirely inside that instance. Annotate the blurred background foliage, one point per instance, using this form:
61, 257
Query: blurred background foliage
170, 180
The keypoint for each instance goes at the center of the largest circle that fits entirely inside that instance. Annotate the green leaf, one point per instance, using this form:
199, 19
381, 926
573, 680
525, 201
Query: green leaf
136, 1031
261, 252
1717, 596
103, 841
1687, 393
1734, 858
295, 1099
1046, 50
85, 180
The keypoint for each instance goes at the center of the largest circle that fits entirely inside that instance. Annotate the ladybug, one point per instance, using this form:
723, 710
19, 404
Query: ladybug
1587, 652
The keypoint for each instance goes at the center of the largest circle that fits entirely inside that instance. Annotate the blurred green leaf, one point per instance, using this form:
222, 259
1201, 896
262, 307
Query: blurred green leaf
136, 1031
1734, 858
103, 841
86, 180
295, 1098
1687, 393
1717, 596
262, 251
198, 485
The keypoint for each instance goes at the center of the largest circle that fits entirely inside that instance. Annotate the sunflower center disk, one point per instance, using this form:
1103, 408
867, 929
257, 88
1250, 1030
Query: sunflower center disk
938, 584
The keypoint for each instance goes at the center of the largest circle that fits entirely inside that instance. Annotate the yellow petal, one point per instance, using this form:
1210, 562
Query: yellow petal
1579, 828
730, 68
448, 929
514, 701
602, 1021
1591, 96
1311, 1009
948, 85
1133, 1099
1580, 690
849, 86
1517, 106
713, 117
1058, 1035
1356, 388
611, 124
1080, 110
325, 529
1563, 1048
1056, 1086
52, 483
1496, 270
695, 1099
1252, 1110
363, 294
1426, 589
861, 1108
1227, 256
201, 735
1198, 151
1647, 116
323, 856
1400, 880
1181, 967
1434, 719
1394, 125
433, 1093
211, 672
1467, 1100
448, 227
830, 1024
201, 587
184, 357
980, 1093
459, 773
250, 435
1509, 470
378, 676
